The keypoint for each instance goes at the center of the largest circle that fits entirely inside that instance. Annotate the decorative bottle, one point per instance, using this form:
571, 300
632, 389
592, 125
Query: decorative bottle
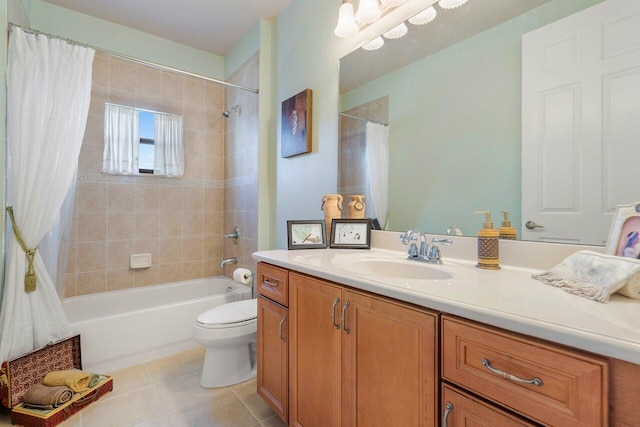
332, 207
356, 206
488, 245
507, 231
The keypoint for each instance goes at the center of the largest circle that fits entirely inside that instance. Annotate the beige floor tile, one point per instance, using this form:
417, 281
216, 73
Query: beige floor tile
247, 393
182, 393
129, 379
137, 407
273, 422
225, 410
171, 367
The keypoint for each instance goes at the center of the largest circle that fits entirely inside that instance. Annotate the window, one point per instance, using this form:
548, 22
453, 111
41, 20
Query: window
146, 150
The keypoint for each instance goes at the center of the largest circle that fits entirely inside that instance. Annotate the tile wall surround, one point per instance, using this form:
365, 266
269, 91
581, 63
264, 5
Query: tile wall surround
241, 167
352, 177
178, 220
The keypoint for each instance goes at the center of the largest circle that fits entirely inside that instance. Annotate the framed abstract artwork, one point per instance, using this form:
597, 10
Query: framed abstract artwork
296, 124
306, 234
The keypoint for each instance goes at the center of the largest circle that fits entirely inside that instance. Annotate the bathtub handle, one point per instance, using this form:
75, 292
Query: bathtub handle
344, 315
283, 339
333, 312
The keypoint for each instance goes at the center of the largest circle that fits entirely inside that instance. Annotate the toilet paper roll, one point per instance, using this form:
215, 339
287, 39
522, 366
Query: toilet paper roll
242, 275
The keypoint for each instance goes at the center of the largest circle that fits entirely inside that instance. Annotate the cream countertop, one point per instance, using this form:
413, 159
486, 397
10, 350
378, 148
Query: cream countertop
508, 298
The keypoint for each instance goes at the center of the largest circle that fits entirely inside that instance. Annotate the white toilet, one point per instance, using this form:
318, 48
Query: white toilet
229, 332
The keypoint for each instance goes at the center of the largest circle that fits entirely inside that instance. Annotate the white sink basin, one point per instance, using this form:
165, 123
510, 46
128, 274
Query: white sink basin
391, 268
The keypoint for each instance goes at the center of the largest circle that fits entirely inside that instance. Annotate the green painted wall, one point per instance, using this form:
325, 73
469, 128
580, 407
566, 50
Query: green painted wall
239, 54
455, 127
117, 38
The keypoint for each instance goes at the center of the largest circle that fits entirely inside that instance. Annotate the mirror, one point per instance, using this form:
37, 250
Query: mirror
142, 142
451, 91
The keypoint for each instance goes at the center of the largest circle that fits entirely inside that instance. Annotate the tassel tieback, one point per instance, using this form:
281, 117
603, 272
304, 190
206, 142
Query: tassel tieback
29, 278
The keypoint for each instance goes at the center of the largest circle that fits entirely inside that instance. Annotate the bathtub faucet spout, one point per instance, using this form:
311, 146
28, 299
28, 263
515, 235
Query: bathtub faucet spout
232, 260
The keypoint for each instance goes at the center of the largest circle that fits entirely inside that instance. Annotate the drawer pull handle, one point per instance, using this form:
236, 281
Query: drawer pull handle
268, 283
333, 312
448, 408
344, 323
283, 339
535, 381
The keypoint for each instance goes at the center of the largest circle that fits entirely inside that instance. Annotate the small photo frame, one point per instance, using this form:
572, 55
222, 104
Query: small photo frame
624, 236
306, 234
296, 124
351, 233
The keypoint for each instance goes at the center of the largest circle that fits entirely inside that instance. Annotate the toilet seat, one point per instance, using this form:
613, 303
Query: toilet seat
230, 315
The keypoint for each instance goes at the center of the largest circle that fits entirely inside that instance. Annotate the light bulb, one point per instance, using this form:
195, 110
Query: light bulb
392, 3
450, 4
396, 32
424, 17
368, 11
347, 26
374, 44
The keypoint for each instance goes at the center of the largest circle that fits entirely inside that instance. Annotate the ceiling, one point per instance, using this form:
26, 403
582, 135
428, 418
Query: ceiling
214, 26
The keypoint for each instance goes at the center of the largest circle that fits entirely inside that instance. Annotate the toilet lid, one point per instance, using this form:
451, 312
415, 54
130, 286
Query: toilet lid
230, 313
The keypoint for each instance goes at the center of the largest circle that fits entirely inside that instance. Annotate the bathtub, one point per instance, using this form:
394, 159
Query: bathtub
124, 328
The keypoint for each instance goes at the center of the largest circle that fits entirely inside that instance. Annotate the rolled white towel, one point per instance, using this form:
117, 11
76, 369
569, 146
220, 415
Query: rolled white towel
593, 275
631, 289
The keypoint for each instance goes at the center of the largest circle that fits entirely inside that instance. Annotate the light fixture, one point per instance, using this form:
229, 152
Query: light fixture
374, 44
392, 3
368, 11
347, 26
424, 17
450, 4
396, 32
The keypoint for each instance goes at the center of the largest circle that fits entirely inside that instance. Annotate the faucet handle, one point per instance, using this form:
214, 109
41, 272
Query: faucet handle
434, 255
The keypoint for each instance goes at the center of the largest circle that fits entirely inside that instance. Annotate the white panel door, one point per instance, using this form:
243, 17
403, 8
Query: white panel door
581, 122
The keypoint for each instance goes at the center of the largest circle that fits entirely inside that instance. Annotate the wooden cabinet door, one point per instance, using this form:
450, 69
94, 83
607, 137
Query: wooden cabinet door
389, 363
273, 360
314, 352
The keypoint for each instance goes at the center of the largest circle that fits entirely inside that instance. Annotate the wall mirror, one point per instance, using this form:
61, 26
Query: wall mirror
452, 94
142, 142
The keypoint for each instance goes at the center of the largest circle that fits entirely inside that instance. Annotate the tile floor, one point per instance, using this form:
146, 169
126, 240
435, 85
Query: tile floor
167, 393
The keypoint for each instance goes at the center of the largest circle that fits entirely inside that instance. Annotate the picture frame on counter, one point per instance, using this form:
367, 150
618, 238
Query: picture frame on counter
350, 234
306, 234
624, 235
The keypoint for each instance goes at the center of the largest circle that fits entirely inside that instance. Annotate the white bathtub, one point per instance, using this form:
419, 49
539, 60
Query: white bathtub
124, 328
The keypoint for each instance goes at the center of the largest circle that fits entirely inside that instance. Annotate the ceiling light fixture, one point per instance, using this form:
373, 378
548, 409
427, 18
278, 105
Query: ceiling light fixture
368, 11
392, 3
424, 17
347, 26
374, 44
396, 32
451, 4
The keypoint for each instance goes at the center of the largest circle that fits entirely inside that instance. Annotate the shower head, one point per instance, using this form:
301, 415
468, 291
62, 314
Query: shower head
226, 113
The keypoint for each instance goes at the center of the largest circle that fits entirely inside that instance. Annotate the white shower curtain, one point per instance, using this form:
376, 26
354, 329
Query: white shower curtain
48, 94
168, 151
377, 153
121, 140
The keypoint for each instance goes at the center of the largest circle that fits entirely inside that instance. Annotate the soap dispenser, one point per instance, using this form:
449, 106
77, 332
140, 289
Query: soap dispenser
507, 231
488, 244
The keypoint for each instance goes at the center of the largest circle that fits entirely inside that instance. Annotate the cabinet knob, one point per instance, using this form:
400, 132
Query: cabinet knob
282, 338
447, 409
344, 315
507, 376
333, 312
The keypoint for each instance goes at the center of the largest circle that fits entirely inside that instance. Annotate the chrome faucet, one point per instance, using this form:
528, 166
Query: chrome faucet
428, 252
232, 260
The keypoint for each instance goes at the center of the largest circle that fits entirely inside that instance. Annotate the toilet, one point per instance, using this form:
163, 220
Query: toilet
229, 332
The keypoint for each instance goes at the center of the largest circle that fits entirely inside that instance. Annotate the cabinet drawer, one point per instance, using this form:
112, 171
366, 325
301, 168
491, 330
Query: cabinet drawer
273, 283
460, 409
546, 383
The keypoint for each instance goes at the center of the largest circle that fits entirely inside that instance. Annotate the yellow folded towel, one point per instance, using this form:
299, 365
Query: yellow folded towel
75, 379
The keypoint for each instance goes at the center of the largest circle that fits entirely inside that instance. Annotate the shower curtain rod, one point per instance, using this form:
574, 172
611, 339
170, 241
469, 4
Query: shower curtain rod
136, 60
360, 118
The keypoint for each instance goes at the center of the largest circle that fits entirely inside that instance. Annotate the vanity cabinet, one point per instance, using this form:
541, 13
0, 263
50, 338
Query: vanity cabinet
548, 384
359, 359
273, 345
